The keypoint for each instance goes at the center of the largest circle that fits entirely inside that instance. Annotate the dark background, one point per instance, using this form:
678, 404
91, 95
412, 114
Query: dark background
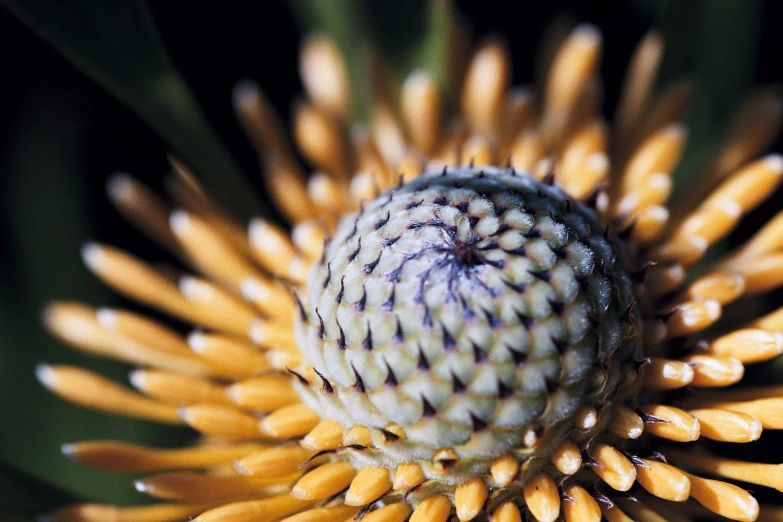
61, 135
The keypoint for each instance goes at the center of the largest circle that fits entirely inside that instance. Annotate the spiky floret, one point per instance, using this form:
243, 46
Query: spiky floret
475, 309
571, 291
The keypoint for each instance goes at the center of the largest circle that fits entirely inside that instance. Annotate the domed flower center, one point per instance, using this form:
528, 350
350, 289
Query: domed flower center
471, 309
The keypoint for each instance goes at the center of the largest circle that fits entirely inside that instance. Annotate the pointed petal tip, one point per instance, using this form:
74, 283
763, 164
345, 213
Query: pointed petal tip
774, 162
245, 93
92, 254
120, 186
179, 221
46, 375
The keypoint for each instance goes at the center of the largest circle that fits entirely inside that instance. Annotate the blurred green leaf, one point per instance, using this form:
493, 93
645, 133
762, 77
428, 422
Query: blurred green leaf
716, 41
117, 44
436, 48
414, 35
46, 214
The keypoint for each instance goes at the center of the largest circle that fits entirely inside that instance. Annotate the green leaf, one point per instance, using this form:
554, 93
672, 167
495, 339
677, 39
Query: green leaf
716, 41
434, 53
116, 43
46, 218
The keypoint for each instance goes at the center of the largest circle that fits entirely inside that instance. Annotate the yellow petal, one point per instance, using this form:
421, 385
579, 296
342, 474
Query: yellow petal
324, 481
542, 498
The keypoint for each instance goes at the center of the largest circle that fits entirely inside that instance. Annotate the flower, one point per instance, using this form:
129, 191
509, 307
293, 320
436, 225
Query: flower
493, 319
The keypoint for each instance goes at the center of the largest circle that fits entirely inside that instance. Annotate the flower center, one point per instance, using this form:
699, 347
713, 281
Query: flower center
465, 255
472, 309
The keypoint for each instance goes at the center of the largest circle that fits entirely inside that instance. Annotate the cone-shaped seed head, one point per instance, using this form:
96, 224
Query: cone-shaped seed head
471, 308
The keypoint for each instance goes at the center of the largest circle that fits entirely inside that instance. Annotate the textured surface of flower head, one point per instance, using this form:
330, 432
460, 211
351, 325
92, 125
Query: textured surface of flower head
467, 308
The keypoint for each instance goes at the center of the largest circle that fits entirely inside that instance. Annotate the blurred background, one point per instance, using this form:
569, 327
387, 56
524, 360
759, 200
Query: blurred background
83, 103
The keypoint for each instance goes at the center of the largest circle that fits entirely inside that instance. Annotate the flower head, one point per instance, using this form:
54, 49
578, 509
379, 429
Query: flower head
491, 318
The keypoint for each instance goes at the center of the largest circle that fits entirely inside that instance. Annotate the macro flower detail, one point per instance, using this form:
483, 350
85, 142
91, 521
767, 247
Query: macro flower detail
467, 310
486, 315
